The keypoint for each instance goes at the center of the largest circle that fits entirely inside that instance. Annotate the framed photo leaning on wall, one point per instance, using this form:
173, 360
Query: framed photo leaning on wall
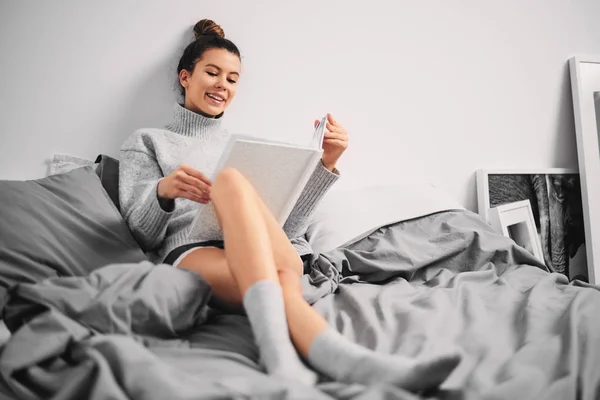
554, 195
585, 88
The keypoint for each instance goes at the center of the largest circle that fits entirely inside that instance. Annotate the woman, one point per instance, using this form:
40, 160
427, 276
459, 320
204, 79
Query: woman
256, 258
164, 172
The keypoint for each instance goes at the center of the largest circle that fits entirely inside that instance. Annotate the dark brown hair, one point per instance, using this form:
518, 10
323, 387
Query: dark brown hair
208, 35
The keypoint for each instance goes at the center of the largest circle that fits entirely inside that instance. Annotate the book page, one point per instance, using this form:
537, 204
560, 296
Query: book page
317, 140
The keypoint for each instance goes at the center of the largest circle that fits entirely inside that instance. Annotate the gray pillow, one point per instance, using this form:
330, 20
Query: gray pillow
61, 225
108, 171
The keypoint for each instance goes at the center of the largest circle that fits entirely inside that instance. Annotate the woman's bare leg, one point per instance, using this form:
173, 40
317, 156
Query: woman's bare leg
286, 256
211, 263
245, 233
250, 255
305, 324
335, 356
251, 260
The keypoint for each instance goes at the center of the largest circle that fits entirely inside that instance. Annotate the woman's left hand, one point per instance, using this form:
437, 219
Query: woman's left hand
335, 142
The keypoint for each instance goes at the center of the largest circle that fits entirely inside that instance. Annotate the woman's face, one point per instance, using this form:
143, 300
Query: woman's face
210, 88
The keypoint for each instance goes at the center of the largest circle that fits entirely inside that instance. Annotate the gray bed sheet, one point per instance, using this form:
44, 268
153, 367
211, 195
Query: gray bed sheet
416, 288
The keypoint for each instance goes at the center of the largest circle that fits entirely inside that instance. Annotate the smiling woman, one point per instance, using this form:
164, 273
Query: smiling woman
208, 83
164, 173
163, 176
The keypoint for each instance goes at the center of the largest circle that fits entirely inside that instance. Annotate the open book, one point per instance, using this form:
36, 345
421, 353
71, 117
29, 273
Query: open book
278, 172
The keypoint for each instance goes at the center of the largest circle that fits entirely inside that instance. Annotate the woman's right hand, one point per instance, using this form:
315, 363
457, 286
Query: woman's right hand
185, 182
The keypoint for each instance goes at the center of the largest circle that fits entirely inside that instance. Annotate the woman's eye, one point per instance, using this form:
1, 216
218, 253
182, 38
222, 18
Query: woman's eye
232, 80
211, 73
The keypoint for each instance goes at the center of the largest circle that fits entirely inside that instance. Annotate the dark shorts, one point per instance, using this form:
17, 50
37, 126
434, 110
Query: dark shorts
177, 252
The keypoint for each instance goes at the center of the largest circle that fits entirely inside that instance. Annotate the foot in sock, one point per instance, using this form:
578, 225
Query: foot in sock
335, 356
264, 306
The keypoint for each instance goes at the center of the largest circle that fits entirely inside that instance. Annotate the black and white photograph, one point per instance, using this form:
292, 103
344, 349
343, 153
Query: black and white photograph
556, 204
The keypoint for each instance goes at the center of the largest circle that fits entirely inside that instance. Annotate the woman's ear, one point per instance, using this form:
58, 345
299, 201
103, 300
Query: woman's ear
184, 77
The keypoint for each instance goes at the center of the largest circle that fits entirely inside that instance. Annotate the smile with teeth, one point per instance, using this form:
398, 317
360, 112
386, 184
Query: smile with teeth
215, 97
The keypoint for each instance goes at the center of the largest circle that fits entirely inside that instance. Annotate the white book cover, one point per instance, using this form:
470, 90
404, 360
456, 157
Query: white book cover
277, 171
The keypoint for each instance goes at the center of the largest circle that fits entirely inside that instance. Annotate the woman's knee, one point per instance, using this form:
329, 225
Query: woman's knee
230, 184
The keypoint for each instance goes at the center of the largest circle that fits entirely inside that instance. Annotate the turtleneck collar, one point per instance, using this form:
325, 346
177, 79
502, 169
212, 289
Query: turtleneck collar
189, 123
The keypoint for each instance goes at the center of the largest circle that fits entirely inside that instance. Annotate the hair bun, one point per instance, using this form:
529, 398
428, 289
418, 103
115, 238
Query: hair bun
207, 27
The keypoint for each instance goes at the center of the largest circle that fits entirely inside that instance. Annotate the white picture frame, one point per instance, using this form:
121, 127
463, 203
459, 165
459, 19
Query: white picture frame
515, 220
555, 198
585, 89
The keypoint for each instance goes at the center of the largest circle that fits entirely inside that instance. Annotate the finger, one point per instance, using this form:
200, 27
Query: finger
193, 181
336, 143
182, 186
195, 173
192, 196
331, 119
202, 199
335, 135
336, 128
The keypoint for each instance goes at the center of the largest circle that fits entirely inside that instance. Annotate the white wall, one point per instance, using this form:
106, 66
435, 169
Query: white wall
433, 88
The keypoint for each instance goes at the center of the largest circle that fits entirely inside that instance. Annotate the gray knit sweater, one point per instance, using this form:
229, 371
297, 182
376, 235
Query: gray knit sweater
151, 154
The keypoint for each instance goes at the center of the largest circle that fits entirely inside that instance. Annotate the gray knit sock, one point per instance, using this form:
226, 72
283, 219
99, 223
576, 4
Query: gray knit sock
265, 308
334, 355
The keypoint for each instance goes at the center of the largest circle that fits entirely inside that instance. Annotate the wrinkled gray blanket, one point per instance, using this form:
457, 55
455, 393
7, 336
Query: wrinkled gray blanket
414, 288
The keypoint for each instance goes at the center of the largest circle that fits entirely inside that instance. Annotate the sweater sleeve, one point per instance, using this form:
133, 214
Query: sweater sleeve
318, 184
139, 174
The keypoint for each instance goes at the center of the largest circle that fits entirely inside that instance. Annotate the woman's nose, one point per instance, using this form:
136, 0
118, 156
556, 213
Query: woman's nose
222, 82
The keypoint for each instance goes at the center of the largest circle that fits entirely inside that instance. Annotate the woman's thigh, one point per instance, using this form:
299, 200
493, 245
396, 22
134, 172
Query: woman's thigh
211, 264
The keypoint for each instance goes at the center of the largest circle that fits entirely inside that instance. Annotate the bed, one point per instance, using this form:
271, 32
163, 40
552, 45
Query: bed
87, 316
